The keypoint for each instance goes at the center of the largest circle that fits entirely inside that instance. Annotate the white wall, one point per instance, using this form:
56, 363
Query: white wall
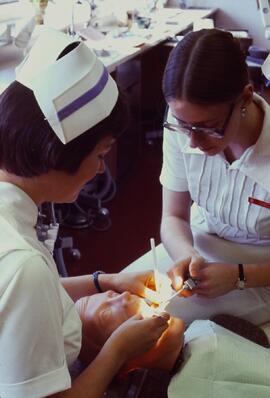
236, 14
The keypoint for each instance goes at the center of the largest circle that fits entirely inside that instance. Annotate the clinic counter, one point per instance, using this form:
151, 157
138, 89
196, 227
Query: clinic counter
168, 23
114, 51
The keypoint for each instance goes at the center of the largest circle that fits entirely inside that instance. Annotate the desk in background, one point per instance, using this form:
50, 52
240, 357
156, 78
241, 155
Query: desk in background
165, 25
136, 61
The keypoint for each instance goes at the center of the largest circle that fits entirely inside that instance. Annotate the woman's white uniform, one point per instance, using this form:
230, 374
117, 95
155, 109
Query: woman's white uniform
40, 330
225, 225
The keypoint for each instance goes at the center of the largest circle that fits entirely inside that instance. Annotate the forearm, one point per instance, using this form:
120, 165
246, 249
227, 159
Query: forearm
257, 275
81, 286
95, 379
220, 278
176, 236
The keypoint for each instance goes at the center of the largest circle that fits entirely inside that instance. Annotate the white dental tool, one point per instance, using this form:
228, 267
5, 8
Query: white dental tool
189, 284
158, 281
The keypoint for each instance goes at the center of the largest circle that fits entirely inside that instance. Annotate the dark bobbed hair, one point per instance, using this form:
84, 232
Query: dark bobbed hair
28, 145
206, 67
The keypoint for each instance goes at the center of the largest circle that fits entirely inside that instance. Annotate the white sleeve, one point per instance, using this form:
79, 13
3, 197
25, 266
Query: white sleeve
32, 356
173, 173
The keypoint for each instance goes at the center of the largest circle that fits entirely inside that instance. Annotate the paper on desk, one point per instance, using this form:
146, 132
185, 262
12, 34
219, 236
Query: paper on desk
118, 45
203, 23
91, 33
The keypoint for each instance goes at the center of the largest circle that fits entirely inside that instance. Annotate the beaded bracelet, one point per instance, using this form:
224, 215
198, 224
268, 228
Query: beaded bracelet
96, 282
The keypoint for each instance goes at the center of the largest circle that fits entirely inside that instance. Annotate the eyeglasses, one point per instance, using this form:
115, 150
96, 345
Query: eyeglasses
188, 129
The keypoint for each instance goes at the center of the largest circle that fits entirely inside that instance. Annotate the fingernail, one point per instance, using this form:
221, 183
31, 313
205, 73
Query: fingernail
178, 281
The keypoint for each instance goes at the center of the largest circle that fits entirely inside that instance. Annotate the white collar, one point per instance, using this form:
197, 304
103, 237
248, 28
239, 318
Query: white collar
18, 214
18, 217
255, 162
16, 199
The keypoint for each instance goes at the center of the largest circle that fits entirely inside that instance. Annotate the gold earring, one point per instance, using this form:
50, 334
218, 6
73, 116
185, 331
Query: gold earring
243, 111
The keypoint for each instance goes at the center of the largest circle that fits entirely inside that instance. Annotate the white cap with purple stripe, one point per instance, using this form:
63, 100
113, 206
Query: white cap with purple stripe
74, 92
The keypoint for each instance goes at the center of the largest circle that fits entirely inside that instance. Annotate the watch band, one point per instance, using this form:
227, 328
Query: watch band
241, 277
95, 280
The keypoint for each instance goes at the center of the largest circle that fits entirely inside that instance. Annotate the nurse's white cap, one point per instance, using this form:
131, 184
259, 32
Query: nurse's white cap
74, 92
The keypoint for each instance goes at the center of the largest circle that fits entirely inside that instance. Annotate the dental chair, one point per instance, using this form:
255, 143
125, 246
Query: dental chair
266, 328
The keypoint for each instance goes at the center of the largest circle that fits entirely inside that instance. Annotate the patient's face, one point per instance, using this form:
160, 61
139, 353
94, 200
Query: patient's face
102, 313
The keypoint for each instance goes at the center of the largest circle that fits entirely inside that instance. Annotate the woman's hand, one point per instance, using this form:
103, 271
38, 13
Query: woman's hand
191, 265
137, 335
217, 279
140, 283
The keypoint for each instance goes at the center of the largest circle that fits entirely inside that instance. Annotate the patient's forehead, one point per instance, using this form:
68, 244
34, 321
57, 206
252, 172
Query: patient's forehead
114, 308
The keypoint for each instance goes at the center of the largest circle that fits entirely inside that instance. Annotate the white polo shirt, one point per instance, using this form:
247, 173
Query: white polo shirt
220, 189
221, 364
40, 330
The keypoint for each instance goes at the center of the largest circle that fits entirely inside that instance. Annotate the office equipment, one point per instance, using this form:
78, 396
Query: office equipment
47, 232
88, 210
